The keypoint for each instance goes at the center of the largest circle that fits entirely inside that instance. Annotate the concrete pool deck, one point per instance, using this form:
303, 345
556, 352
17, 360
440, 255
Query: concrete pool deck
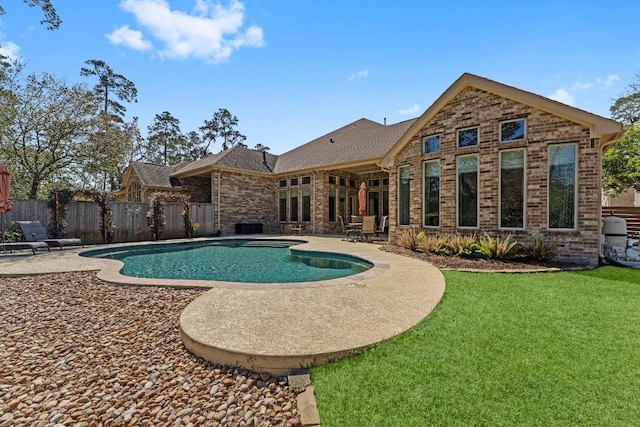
284, 327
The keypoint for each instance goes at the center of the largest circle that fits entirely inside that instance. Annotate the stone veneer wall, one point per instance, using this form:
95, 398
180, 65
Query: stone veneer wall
474, 107
243, 198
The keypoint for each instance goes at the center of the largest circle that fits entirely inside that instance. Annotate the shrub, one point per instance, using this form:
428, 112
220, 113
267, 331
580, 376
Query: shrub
462, 245
408, 239
438, 245
495, 248
541, 251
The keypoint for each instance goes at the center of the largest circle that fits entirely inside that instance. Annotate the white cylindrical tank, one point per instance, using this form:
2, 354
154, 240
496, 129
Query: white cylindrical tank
614, 226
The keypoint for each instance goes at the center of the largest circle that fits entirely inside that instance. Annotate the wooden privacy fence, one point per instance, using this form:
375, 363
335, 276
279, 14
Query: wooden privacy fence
129, 219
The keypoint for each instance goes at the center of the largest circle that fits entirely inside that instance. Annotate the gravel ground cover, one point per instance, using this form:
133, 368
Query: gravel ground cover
75, 351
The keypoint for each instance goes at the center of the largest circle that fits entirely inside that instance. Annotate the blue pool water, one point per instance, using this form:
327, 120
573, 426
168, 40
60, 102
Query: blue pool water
253, 261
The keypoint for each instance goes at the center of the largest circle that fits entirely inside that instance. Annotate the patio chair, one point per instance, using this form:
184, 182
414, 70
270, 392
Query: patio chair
368, 227
34, 231
354, 229
382, 228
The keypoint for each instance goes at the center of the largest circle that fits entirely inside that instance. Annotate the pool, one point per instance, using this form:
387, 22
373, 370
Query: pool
232, 260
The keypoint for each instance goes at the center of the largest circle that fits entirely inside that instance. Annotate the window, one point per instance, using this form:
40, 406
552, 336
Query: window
373, 183
342, 204
431, 144
293, 205
468, 137
352, 183
135, 192
306, 205
282, 206
562, 186
343, 182
385, 181
282, 183
512, 189
332, 205
373, 203
293, 181
332, 179
432, 193
404, 175
514, 130
306, 180
468, 191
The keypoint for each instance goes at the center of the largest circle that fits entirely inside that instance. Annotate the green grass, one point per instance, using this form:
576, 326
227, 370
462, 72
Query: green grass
502, 350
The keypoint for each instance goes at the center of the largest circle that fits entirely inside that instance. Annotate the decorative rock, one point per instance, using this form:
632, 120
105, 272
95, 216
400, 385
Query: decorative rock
101, 370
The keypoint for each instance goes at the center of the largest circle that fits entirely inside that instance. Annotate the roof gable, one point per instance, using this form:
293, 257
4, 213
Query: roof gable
606, 129
156, 176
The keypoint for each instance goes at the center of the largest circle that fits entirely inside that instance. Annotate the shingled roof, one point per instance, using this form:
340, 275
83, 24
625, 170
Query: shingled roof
157, 176
362, 140
234, 158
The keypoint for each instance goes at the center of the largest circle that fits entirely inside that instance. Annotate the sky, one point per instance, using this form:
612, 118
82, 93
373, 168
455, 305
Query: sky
294, 70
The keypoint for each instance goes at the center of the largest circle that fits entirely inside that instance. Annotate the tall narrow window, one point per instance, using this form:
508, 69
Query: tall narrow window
468, 191
306, 205
342, 203
432, 193
512, 189
404, 173
293, 205
373, 203
562, 186
282, 206
332, 205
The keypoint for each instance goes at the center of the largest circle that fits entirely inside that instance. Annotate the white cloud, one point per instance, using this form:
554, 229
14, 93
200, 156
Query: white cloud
411, 110
213, 31
562, 95
362, 74
130, 38
578, 85
605, 83
10, 50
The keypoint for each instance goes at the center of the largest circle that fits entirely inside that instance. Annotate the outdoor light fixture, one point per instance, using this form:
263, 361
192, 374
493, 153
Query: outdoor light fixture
331, 140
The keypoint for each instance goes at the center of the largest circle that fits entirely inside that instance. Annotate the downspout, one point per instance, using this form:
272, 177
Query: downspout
219, 198
313, 204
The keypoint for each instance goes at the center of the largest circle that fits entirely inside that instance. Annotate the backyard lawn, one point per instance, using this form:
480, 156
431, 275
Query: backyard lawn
502, 349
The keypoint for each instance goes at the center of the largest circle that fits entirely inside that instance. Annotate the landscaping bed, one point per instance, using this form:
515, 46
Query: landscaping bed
453, 262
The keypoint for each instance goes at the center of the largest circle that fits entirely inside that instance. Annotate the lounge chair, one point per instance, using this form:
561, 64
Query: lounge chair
34, 246
34, 231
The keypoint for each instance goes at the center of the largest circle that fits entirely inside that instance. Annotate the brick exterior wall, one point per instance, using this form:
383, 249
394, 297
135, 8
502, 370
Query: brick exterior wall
198, 187
474, 107
243, 198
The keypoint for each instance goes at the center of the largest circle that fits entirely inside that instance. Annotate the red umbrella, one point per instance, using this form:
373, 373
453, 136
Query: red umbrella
5, 204
5, 185
362, 199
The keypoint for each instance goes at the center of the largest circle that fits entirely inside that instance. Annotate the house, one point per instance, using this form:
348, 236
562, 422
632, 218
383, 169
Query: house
487, 157
142, 179
484, 157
